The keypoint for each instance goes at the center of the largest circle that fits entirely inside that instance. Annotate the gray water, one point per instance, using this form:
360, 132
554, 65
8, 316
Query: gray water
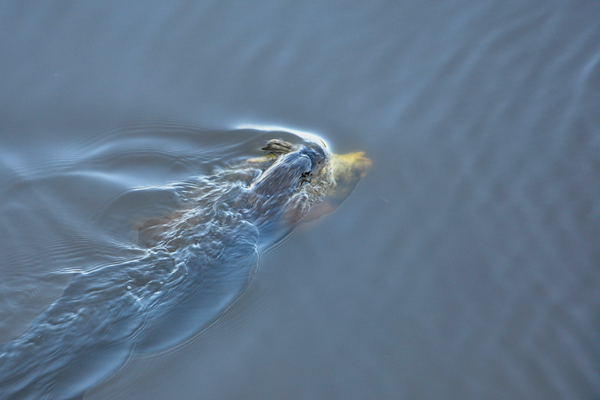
464, 265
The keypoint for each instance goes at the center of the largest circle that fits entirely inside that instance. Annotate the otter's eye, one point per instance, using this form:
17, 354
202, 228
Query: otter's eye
305, 178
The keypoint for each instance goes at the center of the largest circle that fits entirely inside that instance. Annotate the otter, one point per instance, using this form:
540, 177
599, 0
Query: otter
192, 265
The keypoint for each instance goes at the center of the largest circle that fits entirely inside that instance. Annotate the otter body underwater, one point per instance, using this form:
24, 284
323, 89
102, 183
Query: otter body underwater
193, 265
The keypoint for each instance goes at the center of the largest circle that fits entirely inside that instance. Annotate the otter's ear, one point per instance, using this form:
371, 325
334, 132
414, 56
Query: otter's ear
278, 147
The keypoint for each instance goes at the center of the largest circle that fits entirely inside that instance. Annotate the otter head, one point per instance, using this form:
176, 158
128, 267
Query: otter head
305, 179
291, 170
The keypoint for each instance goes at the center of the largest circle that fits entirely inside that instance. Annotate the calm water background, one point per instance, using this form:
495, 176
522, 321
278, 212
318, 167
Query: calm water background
465, 265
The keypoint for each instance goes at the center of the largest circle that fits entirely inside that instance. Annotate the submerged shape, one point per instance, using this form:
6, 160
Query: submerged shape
194, 264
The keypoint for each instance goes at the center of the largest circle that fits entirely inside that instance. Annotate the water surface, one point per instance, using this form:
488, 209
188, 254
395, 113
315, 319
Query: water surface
465, 265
